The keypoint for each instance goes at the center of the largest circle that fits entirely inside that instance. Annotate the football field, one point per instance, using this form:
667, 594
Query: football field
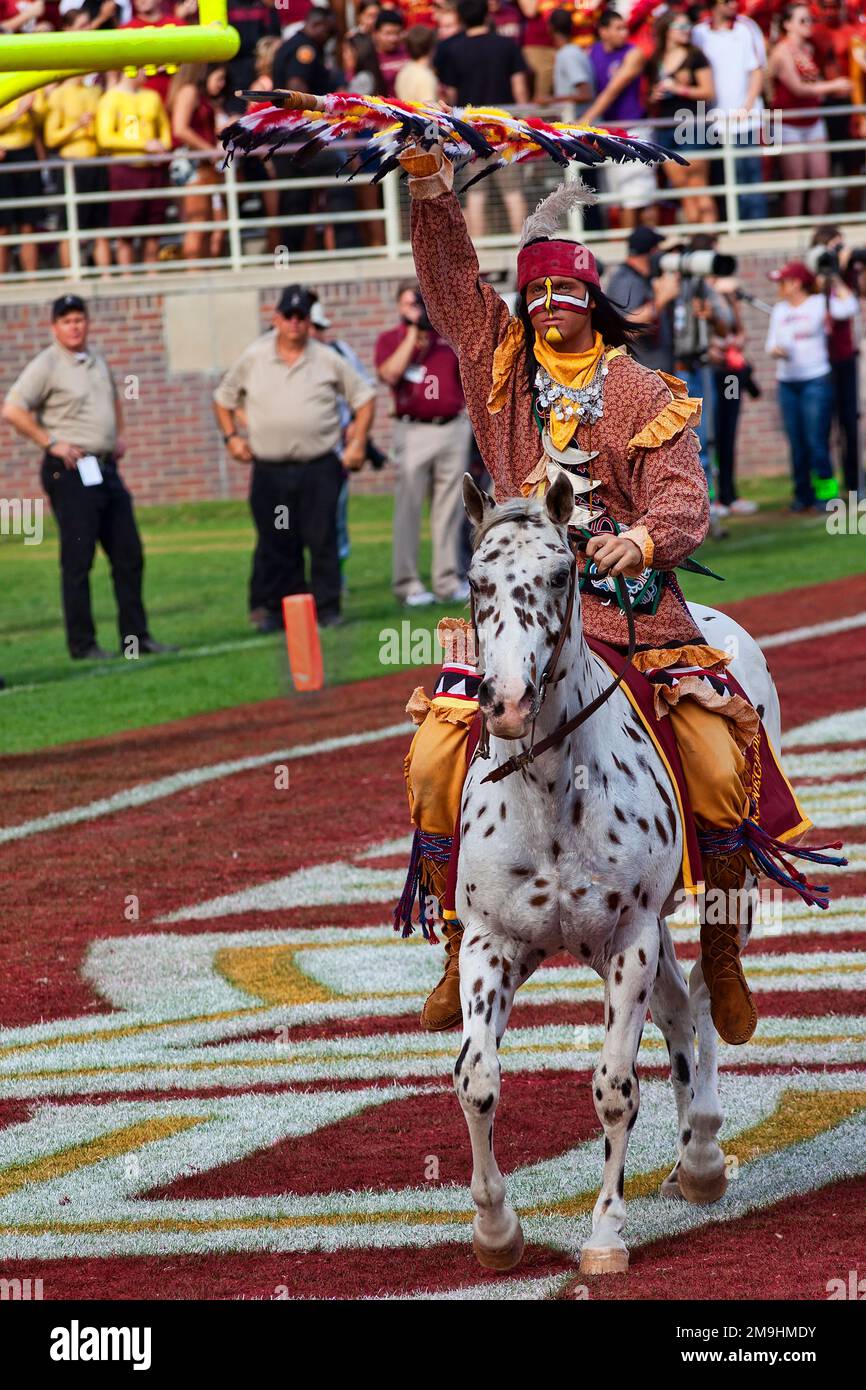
212, 1080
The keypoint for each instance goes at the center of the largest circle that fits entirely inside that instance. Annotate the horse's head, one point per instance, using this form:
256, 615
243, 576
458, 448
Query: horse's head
520, 578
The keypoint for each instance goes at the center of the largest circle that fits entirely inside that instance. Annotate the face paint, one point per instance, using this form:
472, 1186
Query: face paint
558, 299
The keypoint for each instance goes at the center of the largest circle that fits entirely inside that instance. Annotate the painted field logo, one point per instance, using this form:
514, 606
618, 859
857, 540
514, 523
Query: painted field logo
77, 1343
20, 1290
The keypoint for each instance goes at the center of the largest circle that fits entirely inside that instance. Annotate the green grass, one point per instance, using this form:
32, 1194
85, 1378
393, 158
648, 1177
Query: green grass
198, 560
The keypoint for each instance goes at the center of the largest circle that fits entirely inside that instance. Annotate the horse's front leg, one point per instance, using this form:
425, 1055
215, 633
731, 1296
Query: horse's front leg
489, 975
628, 985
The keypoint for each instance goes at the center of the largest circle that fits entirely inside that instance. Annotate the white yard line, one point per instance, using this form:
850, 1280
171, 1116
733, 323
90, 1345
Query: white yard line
804, 634
181, 781
100, 670
144, 792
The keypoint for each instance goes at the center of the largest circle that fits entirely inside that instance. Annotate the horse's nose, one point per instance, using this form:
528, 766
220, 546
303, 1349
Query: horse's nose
485, 693
529, 693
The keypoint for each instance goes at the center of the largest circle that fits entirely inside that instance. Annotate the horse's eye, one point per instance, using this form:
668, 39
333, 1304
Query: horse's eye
560, 579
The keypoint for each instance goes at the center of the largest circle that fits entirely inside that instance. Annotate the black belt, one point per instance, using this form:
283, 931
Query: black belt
292, 463
104, 460
434, 420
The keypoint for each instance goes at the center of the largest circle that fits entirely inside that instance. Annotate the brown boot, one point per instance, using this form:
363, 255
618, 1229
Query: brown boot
731, 1005
442, 1009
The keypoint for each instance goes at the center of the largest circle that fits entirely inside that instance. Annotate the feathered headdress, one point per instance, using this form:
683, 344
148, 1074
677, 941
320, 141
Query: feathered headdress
543, 252
310, 124
552, 210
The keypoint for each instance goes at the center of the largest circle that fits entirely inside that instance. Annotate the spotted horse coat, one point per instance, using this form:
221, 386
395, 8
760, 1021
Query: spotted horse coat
572, 852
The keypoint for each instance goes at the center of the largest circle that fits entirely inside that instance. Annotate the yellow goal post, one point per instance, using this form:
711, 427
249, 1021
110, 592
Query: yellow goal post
30, 61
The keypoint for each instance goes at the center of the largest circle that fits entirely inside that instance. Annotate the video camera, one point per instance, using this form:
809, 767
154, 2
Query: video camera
423, 321
693, 264
824, 260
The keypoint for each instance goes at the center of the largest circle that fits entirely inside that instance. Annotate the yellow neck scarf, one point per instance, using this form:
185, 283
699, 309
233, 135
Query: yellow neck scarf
571, 369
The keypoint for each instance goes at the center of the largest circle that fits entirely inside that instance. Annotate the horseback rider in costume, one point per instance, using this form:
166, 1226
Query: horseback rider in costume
555, 380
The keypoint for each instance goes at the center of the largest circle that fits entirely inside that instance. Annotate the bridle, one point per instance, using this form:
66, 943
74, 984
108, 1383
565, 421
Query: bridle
528, 755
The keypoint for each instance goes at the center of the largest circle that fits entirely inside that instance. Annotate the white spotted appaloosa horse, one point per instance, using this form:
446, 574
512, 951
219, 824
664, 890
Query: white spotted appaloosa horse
553, 861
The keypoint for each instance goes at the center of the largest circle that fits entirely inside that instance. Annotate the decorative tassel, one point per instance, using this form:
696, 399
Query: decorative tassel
771, 856
438, 849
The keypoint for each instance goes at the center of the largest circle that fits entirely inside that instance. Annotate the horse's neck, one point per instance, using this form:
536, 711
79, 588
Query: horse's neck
583, 677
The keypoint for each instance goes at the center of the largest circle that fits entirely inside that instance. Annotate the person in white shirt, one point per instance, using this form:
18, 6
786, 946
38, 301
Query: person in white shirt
738, 57
798, 339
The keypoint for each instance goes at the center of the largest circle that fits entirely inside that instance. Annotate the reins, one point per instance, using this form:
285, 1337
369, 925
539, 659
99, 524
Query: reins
520, 760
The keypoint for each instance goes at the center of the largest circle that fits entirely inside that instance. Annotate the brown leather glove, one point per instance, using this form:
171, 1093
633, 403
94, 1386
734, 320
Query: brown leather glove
420, 164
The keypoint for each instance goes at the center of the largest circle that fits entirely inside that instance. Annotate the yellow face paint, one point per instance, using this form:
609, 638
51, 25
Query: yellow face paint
552, 334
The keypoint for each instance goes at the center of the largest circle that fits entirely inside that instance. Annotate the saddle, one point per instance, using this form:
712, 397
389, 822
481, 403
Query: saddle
774, 804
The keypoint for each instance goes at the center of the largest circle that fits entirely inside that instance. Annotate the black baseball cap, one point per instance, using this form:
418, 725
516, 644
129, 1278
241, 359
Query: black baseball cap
643, 240
67, 304
295, 300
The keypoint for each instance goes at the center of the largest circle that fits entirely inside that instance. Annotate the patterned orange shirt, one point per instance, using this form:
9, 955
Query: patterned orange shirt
662, 488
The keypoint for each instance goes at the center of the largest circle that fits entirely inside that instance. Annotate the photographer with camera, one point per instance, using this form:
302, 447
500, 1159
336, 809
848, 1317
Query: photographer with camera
691, 325
431, 447
645, 292
708, 343
838, 271
800, 327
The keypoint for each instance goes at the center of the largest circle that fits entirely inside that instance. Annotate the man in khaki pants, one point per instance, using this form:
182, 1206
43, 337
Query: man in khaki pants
431, 447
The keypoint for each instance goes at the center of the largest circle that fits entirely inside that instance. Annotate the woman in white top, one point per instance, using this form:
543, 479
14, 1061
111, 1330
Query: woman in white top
798, 340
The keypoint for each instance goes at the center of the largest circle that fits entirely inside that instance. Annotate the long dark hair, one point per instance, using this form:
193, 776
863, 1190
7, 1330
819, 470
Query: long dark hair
366, 60
691, 53
615, 329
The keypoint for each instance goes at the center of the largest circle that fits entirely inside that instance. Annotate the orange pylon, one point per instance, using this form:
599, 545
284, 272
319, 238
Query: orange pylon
302, 641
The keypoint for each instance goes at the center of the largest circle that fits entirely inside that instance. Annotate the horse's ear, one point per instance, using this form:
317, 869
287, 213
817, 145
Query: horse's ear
475, 501
559, 500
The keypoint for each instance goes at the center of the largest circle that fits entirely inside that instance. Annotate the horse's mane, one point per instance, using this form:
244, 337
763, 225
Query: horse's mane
514, 509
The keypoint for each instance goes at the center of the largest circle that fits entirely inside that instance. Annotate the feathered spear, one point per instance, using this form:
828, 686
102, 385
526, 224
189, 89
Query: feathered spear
386, 128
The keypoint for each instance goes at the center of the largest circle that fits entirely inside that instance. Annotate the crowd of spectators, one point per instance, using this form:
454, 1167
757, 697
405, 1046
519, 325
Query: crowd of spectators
619, 64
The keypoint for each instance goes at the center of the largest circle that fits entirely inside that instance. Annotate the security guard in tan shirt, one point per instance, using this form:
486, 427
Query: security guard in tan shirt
286, 388
66, 402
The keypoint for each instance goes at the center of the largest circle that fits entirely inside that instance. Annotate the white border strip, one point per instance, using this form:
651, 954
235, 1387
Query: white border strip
144, 792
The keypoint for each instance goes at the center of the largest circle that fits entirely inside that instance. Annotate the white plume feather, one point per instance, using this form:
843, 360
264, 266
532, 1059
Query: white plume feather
551, 211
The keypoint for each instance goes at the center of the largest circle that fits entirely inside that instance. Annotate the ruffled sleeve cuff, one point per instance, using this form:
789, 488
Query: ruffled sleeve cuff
681, 412
644, 541
418, 705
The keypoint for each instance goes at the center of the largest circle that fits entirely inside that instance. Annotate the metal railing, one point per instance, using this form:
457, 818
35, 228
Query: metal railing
246, 244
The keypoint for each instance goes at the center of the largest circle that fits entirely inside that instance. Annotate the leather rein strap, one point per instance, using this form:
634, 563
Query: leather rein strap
520, 760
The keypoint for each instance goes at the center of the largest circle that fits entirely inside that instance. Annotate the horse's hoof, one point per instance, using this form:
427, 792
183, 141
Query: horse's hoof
502, 1257
611, 1259
671, 1186
700, 1190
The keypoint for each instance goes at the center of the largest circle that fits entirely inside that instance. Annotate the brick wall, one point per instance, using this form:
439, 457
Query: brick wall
174, 450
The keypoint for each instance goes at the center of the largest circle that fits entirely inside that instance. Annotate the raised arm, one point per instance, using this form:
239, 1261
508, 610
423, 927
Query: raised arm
460, 306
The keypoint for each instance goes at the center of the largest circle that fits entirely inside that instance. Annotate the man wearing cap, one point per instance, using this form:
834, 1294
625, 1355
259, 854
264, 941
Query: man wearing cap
289, 388
66, 402
647, 299
431, 446
799, 338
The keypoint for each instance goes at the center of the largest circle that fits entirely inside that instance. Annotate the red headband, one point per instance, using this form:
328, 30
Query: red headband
556, 258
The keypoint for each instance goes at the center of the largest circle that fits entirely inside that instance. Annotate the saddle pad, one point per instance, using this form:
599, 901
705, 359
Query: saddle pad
777, 809
661, 733
640, 694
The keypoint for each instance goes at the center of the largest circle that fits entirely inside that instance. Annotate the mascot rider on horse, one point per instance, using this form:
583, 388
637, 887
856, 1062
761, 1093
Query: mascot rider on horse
555, 380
